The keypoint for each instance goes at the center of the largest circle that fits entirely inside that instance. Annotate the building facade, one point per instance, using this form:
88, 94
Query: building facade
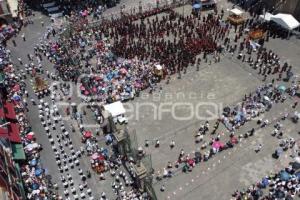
11, 186
8, 10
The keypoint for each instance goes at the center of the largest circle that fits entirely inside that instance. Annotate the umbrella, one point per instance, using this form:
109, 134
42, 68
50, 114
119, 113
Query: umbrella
191, 161
238, 118
297, 175
265, 182
97, 78
281, 88
297, 159
16, 88
104, 152
137, 85
84, 13
197, 6
82, 87
95, 156
87, 134
101, 157
30, 133
33, 162
30, 136
295, 165
86, 92
123, 71
279, 151
35, 186
16, 97
234, 140
284, 176
216, 145
38, 172
108, 138
30, 147
266, 98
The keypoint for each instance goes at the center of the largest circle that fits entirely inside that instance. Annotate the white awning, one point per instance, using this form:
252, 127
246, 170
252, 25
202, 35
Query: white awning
236, 11
52, 9
115, 108
286, 20
13, 5
56, 15
267, 16
46, 5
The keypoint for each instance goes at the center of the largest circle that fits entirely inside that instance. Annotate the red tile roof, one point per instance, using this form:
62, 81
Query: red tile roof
9, 109
12, 132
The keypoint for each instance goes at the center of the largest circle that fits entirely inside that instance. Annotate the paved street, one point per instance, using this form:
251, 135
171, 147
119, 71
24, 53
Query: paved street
34, 34
203, 92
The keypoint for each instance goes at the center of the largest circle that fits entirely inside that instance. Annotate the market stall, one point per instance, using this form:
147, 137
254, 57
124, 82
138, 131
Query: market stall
117, 111
287, 21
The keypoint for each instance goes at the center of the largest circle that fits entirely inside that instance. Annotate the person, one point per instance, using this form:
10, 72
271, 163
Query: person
33, 101
162, 188
101, 176
20, 61
295, 104
14, 43
140, 151
172, 144
157, 144
88, 174
103, 195
258, 148
23, 37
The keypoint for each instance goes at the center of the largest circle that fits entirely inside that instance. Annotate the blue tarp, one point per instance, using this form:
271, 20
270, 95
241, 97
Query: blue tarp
284, 176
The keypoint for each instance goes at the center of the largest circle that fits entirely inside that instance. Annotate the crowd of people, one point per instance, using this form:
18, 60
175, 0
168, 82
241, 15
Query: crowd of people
281, 185
116, 61
121, 77
253, 105
13, 94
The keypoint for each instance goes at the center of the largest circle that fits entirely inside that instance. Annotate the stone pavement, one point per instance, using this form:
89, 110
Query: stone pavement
223, 83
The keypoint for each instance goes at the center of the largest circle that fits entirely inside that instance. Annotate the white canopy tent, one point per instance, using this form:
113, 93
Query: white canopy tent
267, 16
236, 11
115, 108
286, 21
